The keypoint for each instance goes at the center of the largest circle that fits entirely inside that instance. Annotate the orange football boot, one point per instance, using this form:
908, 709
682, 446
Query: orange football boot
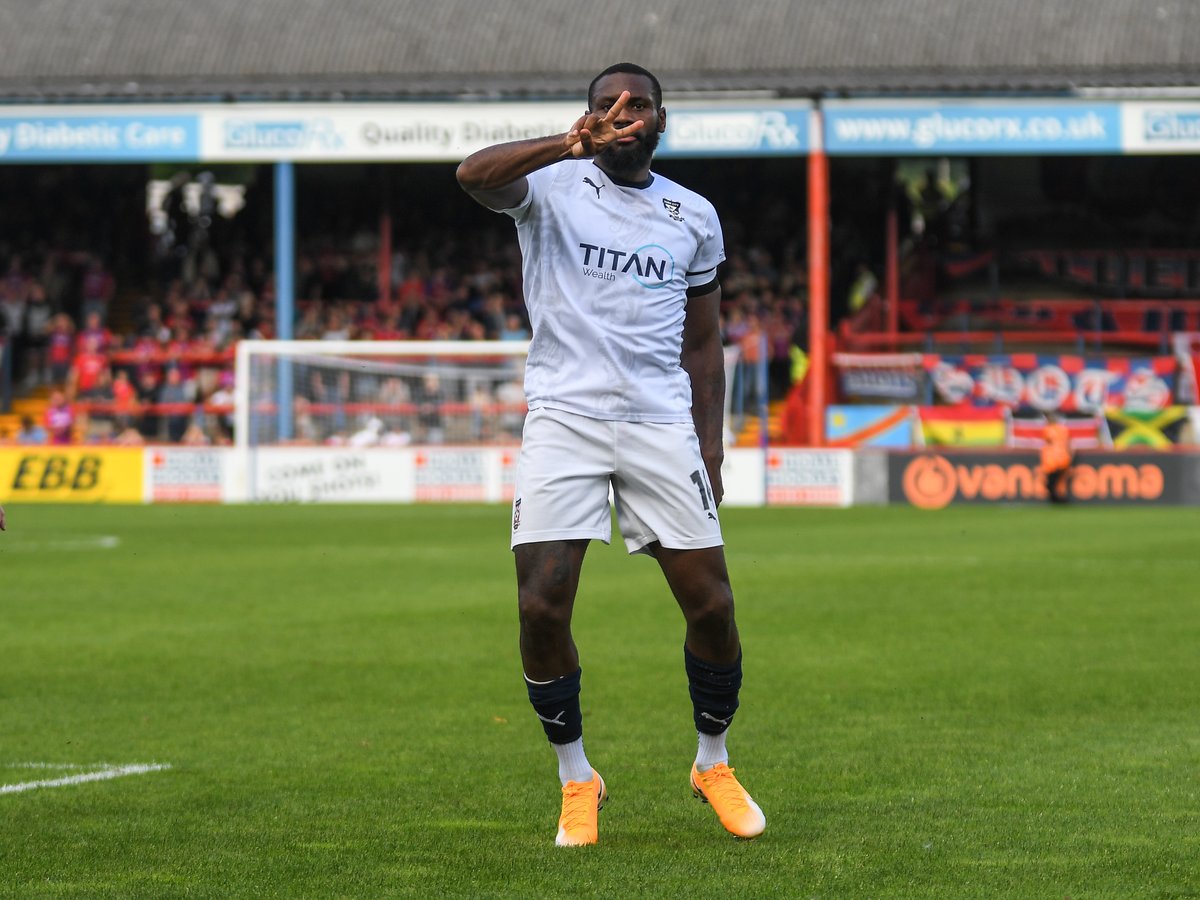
734, 807
581, 802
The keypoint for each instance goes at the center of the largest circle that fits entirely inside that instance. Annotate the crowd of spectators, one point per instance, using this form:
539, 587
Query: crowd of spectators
143, 351
159, 367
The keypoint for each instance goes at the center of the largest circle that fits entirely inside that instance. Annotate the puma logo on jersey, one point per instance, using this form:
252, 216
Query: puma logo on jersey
594, 186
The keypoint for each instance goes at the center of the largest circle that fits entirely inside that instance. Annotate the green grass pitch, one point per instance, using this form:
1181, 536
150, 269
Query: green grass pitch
969, 703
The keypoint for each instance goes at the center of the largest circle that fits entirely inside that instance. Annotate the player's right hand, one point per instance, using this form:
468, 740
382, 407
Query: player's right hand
592, 132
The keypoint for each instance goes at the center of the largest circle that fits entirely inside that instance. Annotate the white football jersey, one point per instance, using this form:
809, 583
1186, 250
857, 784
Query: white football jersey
606, 269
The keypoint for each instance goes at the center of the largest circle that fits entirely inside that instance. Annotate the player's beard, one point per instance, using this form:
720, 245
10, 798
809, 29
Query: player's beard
629, 160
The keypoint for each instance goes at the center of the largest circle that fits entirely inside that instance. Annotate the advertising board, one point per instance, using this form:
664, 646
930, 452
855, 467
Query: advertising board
85, 134
47, 474
185, 474
431, 132
937, 480
809, 477
936, 127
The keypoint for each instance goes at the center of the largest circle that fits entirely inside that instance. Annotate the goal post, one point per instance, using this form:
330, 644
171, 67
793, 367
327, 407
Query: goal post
378, 421
385, 393
409, 392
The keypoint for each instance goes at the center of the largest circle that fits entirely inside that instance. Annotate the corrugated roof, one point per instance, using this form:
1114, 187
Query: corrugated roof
313, 49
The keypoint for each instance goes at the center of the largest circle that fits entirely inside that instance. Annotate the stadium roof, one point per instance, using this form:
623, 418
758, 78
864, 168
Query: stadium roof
147, 50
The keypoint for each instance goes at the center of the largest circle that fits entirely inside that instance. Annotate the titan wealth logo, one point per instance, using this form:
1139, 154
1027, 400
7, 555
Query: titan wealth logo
651, 265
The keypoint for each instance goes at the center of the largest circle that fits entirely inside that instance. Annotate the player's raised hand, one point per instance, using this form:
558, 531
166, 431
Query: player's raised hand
592, 132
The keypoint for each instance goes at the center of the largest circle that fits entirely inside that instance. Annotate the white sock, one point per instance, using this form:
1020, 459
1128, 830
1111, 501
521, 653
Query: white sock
573, 763
710, 750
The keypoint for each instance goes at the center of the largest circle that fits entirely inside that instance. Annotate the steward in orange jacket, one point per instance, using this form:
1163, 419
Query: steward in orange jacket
1056, 459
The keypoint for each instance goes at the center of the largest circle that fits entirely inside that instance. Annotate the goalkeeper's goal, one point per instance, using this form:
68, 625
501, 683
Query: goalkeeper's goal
379, 393
378, 421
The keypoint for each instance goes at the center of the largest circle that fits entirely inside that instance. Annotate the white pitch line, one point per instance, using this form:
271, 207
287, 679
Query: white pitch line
101, 775
97, 542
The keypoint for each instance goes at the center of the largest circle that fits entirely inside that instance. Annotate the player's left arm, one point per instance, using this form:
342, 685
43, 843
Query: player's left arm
703, 358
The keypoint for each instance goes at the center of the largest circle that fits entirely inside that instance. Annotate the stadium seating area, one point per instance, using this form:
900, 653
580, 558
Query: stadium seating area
136, 367
113, 361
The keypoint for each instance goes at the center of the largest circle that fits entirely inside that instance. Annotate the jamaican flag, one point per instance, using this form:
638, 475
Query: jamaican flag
1158, 428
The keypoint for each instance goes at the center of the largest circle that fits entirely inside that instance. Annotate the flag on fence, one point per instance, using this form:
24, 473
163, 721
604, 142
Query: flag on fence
963, 426
869, 426
1025, 432
1160, 429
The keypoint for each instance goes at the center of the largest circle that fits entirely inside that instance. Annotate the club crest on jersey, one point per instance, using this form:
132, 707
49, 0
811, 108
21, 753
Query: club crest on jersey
650, 265
672, 207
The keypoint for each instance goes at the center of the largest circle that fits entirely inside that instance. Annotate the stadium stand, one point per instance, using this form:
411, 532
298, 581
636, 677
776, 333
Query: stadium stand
211, 289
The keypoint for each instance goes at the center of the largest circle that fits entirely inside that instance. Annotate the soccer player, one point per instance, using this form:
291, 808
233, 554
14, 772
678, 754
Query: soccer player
625, 386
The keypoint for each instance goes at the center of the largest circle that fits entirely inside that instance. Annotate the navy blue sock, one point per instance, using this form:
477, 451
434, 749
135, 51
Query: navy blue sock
557, 706
714, 689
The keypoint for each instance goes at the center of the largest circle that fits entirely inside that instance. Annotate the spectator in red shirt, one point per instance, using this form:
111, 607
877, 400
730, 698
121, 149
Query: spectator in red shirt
124, 399
412, 290
86, 371
388, 328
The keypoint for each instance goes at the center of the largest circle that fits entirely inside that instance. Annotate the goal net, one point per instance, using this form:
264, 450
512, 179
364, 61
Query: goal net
379, 393
377, 421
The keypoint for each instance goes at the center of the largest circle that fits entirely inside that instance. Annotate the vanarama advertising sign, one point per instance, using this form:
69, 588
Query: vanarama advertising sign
936, 480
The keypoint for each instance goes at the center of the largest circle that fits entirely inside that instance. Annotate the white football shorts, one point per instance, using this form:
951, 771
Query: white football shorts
659, 484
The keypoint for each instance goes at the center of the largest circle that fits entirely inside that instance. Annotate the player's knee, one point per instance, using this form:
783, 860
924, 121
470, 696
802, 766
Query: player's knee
711, 613
543, 610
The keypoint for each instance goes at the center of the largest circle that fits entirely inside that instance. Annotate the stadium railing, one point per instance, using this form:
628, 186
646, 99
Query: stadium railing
1082, 325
